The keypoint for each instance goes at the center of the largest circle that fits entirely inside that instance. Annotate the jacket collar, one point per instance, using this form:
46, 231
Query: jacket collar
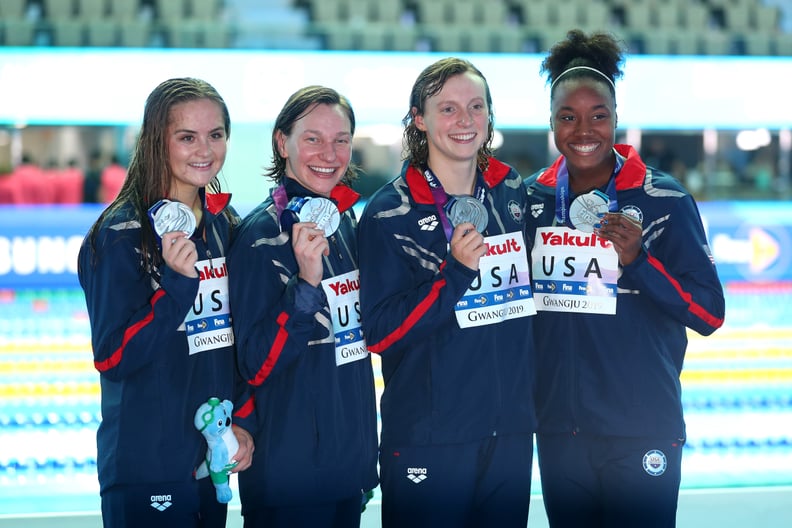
631, 175
496, 172
216, 202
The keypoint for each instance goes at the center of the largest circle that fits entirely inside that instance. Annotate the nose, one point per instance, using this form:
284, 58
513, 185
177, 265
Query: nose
204, 146
583, 127
328, 152
465, 119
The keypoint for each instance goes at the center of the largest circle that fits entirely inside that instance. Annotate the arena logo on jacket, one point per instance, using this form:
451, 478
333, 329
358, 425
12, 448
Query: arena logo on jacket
208, 323
343, 297
502, 289
574, 271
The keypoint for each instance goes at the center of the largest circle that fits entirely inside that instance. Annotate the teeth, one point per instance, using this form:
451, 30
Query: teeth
326, 170
584, 148
201, 165
464, 137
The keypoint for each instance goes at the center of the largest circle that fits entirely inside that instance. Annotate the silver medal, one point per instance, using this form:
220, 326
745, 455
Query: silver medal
586, 209
463, 209
168, 216
323, 212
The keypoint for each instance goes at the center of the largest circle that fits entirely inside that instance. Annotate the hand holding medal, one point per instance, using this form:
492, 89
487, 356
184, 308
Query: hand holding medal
174, 223
624, 232
310, 242
469, 218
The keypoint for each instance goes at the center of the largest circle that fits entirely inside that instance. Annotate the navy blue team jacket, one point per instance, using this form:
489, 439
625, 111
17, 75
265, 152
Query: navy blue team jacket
316, 423
443, 384
619, 375
151, 385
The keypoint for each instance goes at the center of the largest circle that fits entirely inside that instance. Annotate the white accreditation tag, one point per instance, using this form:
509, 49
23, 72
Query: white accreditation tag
502, 289
574, 271
343, 297
208, 323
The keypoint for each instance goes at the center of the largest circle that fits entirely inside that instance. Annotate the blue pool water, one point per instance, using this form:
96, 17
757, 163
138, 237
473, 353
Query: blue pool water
737, 397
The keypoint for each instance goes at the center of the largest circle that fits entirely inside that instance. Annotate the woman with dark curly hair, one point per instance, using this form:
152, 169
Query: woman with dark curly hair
621, 269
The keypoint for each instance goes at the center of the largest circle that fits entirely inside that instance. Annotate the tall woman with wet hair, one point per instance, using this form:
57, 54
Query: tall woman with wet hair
445, 301
148, 267
608, 395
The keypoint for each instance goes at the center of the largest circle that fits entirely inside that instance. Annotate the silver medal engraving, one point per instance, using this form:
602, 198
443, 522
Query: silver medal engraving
323, 212
586, 209
168, 216
463, 209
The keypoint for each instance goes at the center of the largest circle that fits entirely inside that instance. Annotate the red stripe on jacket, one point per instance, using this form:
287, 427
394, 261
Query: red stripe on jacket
411, 320
694, 308
275, 351
115, 357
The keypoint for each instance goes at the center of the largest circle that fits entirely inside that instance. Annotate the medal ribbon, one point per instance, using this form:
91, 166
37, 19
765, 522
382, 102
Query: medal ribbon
441, 197
563, 192
280, 198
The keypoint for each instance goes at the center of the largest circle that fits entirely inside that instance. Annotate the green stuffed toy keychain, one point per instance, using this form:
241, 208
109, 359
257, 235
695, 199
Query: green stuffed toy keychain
213, 420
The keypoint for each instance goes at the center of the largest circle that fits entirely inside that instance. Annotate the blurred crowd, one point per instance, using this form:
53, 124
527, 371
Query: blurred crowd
30, 182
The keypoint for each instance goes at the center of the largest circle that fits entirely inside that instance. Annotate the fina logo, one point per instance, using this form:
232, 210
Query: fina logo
417, 475
654, 463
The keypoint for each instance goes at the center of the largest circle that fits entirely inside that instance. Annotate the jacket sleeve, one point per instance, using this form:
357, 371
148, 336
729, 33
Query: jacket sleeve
274, 310
678, 272
131, 323
400, 306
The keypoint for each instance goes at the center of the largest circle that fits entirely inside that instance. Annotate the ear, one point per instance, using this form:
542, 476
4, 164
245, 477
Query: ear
616, 121
281, 138
418, 119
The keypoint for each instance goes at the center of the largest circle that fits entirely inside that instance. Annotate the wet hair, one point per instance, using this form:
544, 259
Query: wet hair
299, 104
149, 175
597, 51
430, 82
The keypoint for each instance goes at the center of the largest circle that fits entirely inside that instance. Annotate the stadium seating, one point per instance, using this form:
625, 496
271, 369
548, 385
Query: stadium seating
751, 27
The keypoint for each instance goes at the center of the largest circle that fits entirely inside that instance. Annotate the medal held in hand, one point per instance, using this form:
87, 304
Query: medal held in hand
586, 209
461, 209
321, 211
167, 216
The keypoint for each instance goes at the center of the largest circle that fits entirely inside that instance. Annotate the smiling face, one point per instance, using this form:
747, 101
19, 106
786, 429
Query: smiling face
584, 128
197, 146
456, 120
318, 149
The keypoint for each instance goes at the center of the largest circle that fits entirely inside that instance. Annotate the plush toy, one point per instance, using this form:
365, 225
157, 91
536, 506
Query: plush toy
213, 420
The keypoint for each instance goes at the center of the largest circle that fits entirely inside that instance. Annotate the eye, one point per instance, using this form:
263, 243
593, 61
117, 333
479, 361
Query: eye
447, 110
220, 422
187, 139
218, 135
